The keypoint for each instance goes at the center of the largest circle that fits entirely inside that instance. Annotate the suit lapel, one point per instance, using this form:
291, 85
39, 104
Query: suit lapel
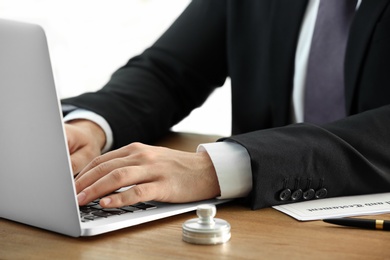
286, 19
360, 34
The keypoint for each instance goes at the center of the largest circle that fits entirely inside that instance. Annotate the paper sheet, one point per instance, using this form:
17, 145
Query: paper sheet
338, 207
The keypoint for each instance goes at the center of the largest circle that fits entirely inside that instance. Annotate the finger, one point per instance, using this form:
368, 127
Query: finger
97, 161
79, 160
104, 164
102, 169
138, 193
118, 178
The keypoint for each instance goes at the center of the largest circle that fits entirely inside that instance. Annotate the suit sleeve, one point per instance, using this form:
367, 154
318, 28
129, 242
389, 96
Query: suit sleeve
161, 86
347, 157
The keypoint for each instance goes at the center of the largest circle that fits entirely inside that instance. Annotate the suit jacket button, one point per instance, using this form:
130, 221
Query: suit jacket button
309, 194
285, 194
321, 193
296, 195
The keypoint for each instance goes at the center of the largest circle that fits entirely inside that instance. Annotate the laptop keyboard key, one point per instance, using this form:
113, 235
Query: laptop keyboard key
145, 206
131, 209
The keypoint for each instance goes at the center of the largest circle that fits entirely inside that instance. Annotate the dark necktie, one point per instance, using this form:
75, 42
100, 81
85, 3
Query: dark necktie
324, 93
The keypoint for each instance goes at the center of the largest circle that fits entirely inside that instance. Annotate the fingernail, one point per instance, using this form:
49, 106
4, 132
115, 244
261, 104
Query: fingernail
81, 197
105, 202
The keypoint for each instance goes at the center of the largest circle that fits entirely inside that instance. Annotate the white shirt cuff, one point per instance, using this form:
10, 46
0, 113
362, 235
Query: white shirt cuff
97, 119
232, 165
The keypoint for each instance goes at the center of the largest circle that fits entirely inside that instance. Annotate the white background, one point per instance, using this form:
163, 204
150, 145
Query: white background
90, 39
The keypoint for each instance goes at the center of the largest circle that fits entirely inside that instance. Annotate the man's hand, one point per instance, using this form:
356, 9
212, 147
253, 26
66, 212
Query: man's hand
85, 141
157, 173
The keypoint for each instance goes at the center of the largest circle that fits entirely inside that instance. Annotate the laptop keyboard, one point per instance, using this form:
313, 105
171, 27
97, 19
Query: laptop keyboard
93, 210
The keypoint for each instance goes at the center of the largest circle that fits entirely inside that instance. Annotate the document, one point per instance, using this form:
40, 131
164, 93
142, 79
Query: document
338, 207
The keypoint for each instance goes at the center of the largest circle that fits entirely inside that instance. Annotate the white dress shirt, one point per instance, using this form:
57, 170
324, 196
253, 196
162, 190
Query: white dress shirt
231, 160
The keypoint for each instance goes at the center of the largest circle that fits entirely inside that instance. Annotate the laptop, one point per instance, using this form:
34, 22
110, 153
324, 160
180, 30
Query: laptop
36, 180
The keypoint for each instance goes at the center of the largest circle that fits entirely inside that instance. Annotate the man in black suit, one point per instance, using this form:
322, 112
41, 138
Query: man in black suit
259, 44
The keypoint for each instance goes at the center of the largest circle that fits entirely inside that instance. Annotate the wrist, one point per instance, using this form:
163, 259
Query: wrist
232, 166
92, 129
209, 174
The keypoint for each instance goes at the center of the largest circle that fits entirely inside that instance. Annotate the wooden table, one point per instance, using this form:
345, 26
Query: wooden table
261, 234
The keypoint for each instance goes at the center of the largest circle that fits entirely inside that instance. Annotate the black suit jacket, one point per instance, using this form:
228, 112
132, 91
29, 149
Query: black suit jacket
253, 42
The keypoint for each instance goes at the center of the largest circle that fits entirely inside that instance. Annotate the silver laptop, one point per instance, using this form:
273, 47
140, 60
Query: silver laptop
36, 181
